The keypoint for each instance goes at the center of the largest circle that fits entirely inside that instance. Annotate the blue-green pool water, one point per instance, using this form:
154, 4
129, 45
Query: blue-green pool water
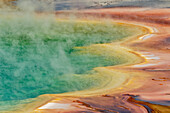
37, 55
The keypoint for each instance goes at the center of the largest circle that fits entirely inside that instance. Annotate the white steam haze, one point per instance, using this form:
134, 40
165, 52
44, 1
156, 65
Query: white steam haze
52, 5
36, 5
38, 54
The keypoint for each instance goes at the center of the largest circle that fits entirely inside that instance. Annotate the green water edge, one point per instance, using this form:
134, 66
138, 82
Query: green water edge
38, 56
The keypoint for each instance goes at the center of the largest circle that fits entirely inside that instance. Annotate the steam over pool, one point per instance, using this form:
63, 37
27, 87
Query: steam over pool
38, 55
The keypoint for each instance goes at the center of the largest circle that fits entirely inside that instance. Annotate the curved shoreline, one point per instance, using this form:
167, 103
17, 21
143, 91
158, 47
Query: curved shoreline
86, 93
138, 100
153, 95
93, 91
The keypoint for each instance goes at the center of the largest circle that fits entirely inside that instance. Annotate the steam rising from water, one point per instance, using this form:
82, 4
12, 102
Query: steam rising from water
36, 5
38, 54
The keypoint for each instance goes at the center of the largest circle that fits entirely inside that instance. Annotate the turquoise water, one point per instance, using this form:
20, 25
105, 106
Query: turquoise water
37, 55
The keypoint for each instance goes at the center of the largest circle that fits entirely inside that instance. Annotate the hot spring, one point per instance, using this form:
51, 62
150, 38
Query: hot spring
42, 55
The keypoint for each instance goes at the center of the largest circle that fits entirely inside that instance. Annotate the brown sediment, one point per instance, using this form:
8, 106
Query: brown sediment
147, 88
155, 108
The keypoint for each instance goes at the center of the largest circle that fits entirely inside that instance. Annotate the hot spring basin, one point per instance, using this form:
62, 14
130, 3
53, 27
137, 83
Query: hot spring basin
45, 56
